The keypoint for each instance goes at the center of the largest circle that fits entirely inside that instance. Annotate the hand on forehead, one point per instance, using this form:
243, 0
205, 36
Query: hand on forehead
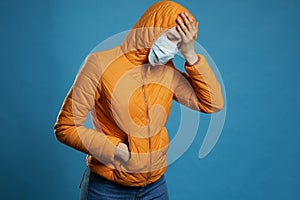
172, 34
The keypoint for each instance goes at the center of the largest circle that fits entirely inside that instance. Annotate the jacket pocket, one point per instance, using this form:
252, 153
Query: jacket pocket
138, 163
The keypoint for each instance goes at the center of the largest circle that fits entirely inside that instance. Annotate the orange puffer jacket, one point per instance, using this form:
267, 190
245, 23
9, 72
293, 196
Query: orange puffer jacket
130, 101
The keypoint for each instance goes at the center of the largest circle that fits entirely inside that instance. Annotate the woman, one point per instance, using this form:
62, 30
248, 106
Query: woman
129, 91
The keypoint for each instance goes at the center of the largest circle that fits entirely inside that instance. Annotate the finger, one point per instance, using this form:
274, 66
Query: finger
186, 21
193, 29
197, 29
185, 30
182, 26
195, 35
182, 34
187, 15
191, 21
193, 26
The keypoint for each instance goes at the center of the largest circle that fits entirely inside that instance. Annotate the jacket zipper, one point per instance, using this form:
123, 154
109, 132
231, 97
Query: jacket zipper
148, 128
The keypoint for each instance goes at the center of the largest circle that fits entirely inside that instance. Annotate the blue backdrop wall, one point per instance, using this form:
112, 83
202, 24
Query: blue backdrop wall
255, 45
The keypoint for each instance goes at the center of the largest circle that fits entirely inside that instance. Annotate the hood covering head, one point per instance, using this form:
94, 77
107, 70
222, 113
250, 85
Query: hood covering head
157, 19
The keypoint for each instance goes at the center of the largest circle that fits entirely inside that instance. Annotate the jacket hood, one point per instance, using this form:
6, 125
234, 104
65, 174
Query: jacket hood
157, 19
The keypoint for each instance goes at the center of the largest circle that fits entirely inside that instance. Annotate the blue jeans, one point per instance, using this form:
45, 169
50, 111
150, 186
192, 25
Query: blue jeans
95, 187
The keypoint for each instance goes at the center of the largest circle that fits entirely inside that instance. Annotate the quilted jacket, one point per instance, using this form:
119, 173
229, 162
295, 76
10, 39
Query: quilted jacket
130, 101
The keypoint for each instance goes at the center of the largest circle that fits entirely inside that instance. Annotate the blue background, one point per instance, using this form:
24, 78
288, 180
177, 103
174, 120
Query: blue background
255, 45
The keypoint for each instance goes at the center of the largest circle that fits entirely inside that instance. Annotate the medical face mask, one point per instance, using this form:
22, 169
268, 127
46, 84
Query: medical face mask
162, 51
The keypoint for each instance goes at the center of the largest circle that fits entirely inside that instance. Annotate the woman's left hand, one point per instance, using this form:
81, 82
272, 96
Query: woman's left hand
188, 32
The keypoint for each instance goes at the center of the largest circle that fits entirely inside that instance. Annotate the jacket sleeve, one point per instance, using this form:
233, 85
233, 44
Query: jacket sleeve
69, 127
199, 89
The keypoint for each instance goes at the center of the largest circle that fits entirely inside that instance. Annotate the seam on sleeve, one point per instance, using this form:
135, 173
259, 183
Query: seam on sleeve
75, 85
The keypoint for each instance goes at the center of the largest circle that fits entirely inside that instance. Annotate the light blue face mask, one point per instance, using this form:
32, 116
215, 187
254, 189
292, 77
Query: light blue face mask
162, 51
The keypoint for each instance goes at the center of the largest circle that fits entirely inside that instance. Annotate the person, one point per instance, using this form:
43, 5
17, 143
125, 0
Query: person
129, 90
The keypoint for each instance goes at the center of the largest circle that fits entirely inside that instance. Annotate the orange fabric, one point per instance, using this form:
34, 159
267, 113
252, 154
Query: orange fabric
130, 102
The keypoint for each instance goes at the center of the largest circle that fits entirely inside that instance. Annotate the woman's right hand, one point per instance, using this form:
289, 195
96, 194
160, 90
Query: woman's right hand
122, 153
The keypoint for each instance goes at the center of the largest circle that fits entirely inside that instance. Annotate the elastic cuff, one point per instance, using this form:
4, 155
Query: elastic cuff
200, 67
